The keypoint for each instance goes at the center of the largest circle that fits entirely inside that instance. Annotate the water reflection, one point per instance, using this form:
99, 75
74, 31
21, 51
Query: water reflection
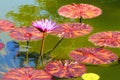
25, 15
13, 47
6, 58
42, 9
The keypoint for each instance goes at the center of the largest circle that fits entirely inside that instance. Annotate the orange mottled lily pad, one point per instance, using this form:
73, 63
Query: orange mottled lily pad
6, 25
26, 73
93, 56
26, 34
65, 68
79, 10
106, 39
71, 30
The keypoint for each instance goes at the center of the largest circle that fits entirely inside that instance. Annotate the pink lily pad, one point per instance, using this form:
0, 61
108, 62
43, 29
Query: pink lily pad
106, 39
93, 56
26, 73
65, 69
26, 34
71, 30
79, 10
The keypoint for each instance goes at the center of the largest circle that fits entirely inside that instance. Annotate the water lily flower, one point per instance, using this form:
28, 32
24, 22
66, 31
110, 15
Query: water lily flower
44, 25
90, 76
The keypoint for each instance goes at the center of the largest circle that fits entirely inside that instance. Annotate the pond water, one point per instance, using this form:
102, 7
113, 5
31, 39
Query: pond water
23, 12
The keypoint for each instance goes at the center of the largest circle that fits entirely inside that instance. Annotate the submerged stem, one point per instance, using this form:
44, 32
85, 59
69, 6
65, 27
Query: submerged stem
80, 19
27, 57
27, 44
49, 52
56, 45
41, 50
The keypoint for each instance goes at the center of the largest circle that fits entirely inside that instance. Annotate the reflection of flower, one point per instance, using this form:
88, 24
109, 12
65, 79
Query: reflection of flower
44, 25
90, 76
28, 34
1, 45
26, 73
